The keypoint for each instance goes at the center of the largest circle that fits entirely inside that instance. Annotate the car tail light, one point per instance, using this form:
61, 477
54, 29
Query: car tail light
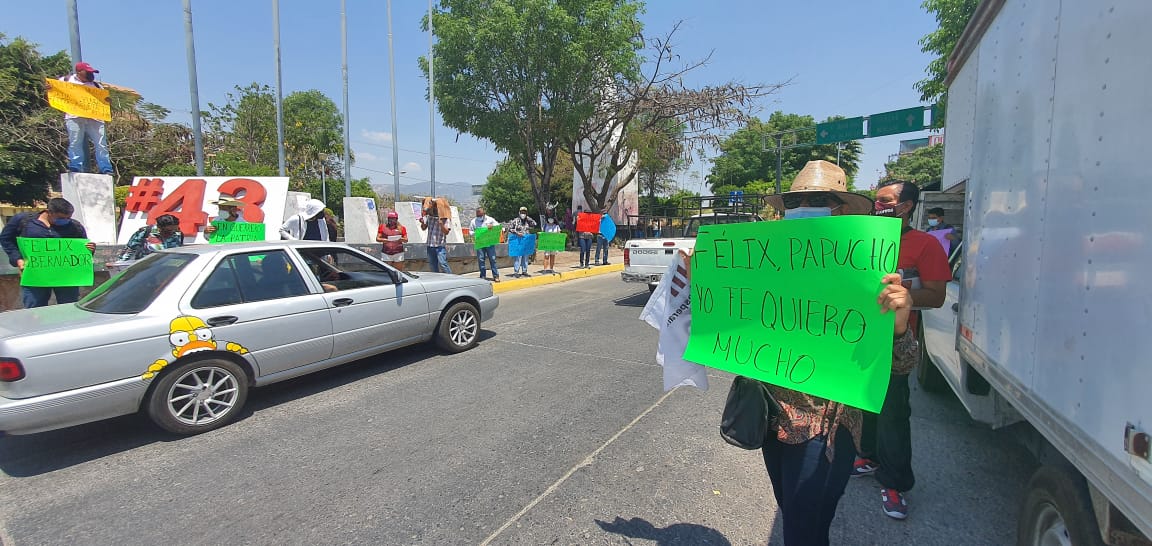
11, 369
669, 243
627, 257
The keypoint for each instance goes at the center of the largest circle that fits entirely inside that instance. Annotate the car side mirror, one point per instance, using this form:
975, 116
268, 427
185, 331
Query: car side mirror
397, 277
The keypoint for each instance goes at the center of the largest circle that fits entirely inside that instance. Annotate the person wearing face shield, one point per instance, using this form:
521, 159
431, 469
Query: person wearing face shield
392, 236
886, 447
55, 221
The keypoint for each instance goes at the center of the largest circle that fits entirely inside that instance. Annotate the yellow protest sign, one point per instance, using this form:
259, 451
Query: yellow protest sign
79, 100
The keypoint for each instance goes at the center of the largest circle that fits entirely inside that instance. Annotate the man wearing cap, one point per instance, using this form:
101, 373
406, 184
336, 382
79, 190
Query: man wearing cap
519, 227
82, 129
482, 220
308, 224
392, 236
229, 211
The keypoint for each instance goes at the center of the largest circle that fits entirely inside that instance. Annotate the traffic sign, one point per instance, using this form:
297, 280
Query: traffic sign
839, 130
735, 197
896, 122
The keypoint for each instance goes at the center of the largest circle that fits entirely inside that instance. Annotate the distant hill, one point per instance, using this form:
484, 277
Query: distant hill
461, 193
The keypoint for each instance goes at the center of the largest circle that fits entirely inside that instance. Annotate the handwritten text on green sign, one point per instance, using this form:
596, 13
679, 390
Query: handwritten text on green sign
793, 303
55, 262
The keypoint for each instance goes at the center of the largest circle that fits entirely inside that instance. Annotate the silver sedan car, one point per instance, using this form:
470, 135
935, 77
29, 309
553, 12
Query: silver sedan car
183, 334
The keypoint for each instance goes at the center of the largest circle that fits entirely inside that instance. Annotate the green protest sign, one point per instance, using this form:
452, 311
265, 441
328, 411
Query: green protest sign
236, 232
551, 242
486, 237
793, 303
55, 262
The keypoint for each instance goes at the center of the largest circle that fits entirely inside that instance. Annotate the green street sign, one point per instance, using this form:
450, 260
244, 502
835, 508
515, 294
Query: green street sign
896, 122
839, 130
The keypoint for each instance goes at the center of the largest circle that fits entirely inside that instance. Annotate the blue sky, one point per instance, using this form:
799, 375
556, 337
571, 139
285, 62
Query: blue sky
845, 57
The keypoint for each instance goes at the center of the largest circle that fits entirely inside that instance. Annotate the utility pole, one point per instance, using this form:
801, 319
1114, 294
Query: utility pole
190, 46
74, 31
779, 160
347, 122
279, 89
392, 88
431, 107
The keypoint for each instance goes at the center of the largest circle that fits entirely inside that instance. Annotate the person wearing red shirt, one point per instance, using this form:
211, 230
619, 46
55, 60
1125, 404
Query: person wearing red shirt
886, 444
392, 237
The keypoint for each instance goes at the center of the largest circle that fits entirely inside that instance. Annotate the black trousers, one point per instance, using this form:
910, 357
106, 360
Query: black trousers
808, 486
886, 438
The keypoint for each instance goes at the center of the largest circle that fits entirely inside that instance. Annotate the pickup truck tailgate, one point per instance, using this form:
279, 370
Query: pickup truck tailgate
646, 260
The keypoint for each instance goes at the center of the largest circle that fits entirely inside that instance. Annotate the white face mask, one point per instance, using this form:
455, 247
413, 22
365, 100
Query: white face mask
551, 220
523, 216
807, 212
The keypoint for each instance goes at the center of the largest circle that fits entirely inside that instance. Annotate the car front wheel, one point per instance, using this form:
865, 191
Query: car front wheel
198, 396
459, 328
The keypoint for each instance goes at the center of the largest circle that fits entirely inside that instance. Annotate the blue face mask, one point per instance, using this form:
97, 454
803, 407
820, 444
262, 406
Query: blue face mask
62, 221
933, 222
807, 212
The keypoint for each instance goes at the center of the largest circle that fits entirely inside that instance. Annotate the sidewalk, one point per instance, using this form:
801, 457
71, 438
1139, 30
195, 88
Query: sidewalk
566, 269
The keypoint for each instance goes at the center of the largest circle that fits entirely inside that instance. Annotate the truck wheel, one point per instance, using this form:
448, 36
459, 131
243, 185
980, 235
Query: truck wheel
1057, 511
928, 376
197, 396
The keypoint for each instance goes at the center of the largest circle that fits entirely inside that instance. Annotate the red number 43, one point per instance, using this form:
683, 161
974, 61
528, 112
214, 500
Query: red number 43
186, 202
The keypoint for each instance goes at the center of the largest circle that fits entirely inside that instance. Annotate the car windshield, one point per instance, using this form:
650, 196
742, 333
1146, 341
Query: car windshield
132, 290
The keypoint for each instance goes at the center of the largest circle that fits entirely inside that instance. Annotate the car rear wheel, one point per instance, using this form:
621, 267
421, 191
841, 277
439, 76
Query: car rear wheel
459, 328
1057, 511
198, 396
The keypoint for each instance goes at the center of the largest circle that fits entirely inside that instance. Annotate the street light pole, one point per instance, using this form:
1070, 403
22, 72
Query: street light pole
347, 122
74, 31
190, 46
392, 90
431, 107
279, 89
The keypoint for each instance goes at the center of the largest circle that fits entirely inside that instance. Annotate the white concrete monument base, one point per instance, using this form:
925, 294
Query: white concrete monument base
95, 204
361, 220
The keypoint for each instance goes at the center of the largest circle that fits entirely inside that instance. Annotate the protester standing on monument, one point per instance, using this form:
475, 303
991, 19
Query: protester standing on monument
520, 226
81, 130
886, 446
392, 237
148, 239
55, 221
438, 229
482, 220
229, 211
309, 224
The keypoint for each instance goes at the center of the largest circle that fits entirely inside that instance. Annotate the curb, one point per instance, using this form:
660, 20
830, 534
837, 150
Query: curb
541, 280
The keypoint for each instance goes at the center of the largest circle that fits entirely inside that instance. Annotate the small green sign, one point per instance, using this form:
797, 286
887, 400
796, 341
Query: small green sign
896, 122
236, 232
793, 303
840, 130
55, 262
551, 242
485, 237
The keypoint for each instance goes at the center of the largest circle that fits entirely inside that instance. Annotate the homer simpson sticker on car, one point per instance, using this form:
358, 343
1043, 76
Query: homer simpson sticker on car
188, 335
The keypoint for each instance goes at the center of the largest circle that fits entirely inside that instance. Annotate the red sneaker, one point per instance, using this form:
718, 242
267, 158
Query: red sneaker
864, 467
894, 504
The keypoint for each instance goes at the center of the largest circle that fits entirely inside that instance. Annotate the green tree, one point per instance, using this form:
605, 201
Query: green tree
313, 135
923, 166
951, 16
749, 154
659, 151
524, 74
506, 191
32, 140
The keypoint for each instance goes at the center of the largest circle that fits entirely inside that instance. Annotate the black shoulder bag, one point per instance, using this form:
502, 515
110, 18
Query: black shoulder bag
749, 413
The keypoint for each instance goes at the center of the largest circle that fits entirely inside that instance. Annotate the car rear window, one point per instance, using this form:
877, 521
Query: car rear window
134, 289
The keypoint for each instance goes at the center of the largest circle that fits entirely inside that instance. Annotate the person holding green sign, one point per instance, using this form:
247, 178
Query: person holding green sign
148, 239
54, 222
481, 223
551, 226
229, 212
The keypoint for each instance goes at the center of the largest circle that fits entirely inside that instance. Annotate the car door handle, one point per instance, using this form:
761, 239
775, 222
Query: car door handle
955, 307
221, 321
342, 302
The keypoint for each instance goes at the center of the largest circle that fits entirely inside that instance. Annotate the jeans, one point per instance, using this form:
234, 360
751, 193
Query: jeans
490, 253
585, 250
438, 259
807, 485
520, 264
886, 438
601, 243
38, 296
80, 130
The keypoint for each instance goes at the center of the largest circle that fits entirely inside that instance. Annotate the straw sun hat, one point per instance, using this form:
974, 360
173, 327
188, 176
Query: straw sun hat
823, 177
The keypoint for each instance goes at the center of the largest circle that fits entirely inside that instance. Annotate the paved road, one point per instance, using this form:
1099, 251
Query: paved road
554, 430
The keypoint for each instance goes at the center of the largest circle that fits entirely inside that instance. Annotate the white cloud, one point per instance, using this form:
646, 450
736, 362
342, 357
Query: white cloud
376, 137
366, 156
411, 166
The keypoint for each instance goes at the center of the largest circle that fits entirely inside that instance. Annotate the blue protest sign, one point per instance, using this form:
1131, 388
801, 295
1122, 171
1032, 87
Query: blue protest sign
607, 227
521, 245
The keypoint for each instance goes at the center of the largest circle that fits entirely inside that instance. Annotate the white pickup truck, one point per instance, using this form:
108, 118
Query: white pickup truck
646, 259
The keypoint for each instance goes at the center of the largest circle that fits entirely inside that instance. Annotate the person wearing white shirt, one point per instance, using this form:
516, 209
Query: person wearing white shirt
483, 220
81, 130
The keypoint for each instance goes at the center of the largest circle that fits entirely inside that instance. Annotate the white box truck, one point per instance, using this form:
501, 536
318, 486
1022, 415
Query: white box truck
1048, 326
